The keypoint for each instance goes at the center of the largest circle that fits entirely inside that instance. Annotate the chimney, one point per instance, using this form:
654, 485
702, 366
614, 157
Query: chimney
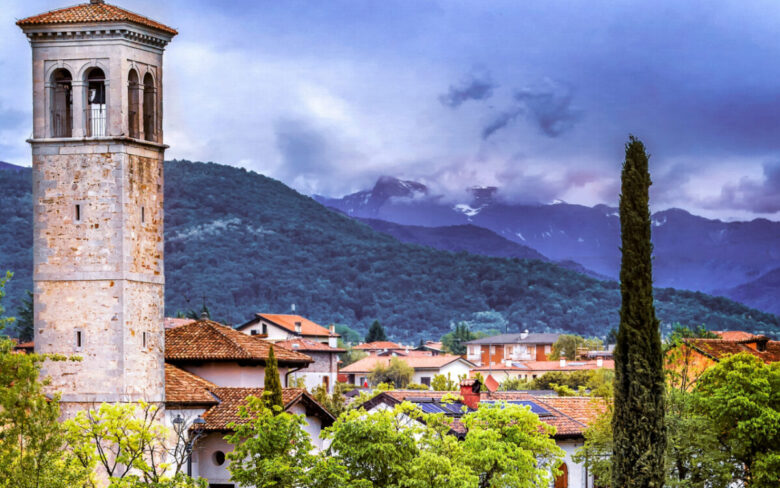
93, 2
469, 392
298, 327
563, 362
332, 328
292, 308
524, 334
600, 362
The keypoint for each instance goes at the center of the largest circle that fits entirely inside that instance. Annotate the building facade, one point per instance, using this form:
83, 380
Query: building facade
97, 153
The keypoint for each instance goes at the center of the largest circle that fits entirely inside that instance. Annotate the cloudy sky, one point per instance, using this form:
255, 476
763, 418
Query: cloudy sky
536, 97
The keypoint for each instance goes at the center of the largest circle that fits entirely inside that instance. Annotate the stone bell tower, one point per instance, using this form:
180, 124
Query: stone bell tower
97, 152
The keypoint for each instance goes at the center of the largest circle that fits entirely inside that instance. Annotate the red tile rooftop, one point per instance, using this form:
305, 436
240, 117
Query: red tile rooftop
378, 345
93, 12
207, 340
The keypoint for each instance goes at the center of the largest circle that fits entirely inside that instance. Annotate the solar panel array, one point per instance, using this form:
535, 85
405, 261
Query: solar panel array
455, 408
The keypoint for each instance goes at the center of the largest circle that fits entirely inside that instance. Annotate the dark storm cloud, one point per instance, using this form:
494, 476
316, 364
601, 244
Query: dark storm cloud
477, 85
548, 108
501, 120
752, 195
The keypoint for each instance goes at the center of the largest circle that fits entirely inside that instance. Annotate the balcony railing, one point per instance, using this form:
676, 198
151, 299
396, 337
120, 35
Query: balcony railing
95, 116
61, 123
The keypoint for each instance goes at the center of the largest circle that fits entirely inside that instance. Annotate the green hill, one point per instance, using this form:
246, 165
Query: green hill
246, 243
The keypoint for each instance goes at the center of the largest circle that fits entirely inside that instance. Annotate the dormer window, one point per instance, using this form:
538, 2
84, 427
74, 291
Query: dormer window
96, 103
150, 108
61, 103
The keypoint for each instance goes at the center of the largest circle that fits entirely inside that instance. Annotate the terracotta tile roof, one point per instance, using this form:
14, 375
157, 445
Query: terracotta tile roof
531, 366
566, 424
378, 345
301, 344
231, 399
207, 340
719, 348
734, 335
582, 409
93, 13
185, 388
417, 362
172, 322
308, 328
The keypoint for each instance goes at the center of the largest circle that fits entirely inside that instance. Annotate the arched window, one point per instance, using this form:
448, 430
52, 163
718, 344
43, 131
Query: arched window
96, 103
150, 109
61, 103
133, 104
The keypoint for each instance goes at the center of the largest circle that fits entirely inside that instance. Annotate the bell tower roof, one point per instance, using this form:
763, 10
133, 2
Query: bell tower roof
94, 12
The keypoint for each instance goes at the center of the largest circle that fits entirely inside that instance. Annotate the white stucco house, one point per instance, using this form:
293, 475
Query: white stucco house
281, 327
425, 367
210, 370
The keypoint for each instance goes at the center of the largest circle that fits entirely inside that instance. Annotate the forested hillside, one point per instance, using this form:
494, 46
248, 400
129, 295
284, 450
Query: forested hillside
245, 243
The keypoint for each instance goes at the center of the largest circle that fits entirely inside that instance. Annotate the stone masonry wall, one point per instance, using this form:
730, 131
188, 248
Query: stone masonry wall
102, 275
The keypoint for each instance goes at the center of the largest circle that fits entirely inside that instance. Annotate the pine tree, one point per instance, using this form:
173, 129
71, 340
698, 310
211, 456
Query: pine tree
638, 422
24, 321
376, 333
273, 386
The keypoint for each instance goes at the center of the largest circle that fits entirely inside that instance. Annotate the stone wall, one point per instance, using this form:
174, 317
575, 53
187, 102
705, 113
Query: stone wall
100, 275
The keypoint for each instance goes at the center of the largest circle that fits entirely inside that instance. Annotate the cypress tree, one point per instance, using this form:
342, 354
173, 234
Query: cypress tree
639, 438
272, 393
376, 333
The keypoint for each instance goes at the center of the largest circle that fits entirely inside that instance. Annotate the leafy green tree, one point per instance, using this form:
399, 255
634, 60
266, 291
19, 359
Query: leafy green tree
25, 319
639, 435
514, 384
568, 344
741, 397
376, 333
348, 335
351, 356
272, 393
272, 449
396, 371
507, 446
455, 341
32, 442
379, 447
335, 403
126, 443
444, 383
572, 379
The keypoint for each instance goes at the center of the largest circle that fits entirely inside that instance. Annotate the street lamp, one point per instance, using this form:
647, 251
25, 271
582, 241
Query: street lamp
189, 441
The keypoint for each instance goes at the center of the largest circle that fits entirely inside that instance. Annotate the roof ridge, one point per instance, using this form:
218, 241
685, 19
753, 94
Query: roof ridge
215, 326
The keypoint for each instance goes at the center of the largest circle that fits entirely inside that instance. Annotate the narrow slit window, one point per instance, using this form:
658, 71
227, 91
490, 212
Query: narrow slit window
143, 215
78, 339
144, 338
78, 213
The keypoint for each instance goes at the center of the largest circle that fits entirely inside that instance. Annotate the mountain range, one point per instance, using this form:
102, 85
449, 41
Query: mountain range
241, 243
690, 252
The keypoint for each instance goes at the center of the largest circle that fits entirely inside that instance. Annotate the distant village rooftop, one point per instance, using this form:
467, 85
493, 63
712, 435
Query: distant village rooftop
517, 338
294, 324
379, 346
